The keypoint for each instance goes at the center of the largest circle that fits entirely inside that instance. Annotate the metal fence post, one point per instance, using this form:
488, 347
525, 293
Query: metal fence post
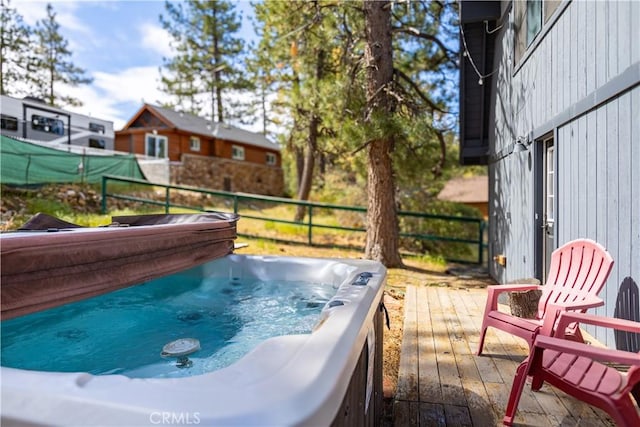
167, 200
310, 225
26, 172
481, 242
103, 202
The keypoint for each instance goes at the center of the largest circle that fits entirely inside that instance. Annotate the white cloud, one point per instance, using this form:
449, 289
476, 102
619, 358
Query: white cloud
131, 84
65, 11
77, 33
65, 16
110, 91
156, 39
31, 11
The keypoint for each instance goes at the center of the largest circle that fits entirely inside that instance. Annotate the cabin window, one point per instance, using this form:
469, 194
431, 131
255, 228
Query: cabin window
97, 143
156, 146
271, 159
47, 124
9, 123
194, 143
95, 127
530, 16
237, 152
534, 19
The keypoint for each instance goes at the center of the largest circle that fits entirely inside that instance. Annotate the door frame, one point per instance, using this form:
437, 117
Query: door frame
541, 266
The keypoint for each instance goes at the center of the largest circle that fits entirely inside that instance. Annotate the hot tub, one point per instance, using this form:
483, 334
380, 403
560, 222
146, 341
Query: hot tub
332, 376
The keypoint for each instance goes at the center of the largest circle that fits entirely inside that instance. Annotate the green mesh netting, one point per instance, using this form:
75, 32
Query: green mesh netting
26, 163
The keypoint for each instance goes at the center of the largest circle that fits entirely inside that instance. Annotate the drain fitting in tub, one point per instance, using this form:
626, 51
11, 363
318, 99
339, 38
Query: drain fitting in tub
179, 349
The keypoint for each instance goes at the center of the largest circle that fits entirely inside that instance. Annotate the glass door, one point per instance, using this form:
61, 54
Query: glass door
548, 205
156, 146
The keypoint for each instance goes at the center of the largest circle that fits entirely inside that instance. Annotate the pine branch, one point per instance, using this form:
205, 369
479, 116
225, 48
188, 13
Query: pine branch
415, 87
361, 147
413, 31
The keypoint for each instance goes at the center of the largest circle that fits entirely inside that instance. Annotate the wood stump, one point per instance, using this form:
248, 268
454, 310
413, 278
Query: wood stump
525, 303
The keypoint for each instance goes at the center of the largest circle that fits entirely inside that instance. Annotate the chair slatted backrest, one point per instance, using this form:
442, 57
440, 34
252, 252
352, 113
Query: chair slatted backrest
578, 269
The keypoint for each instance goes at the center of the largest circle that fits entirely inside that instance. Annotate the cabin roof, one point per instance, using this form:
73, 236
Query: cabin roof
472, 189
201, 126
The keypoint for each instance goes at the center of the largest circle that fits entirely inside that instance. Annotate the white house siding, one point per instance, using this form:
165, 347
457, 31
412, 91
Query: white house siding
80, 133
570, 65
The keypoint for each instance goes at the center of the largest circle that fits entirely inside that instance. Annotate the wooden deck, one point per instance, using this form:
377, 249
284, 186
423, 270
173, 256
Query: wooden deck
442, 383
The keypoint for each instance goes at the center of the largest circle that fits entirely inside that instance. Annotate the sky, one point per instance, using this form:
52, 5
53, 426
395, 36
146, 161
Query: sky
121, 45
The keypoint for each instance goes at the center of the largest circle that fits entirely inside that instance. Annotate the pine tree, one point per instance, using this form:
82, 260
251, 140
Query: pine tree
382, 220
207, 60
405, 125
298, 52
14, 46
52, 65
383, 91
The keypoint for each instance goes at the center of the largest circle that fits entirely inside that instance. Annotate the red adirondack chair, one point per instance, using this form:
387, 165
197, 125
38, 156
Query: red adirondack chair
575, 368
577, 272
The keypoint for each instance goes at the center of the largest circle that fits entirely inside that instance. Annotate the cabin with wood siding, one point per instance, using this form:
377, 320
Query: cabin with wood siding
550, 102
203, 153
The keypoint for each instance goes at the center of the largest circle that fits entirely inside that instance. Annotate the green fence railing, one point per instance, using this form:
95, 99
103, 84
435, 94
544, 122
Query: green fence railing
418, 231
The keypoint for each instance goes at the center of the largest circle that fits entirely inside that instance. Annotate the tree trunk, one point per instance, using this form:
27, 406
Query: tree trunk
306, 177
219, 97
263, 106
382, 220
304, 190
52, 98
217, 71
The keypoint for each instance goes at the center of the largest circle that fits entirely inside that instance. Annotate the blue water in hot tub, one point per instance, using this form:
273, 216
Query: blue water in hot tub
123, 332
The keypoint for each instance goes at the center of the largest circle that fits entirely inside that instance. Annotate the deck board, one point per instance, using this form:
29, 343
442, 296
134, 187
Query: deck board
443, 383
407, 389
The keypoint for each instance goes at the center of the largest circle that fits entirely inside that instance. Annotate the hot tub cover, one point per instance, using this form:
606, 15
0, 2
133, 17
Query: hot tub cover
50, 262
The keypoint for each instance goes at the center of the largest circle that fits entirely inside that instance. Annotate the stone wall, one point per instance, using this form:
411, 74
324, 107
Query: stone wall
156, 170
228, 175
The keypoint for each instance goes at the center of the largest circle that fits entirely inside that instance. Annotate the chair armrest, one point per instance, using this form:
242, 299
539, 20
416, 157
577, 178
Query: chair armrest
494, 291
513, 287
586, 350
584, 304
621, 324
554, 310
